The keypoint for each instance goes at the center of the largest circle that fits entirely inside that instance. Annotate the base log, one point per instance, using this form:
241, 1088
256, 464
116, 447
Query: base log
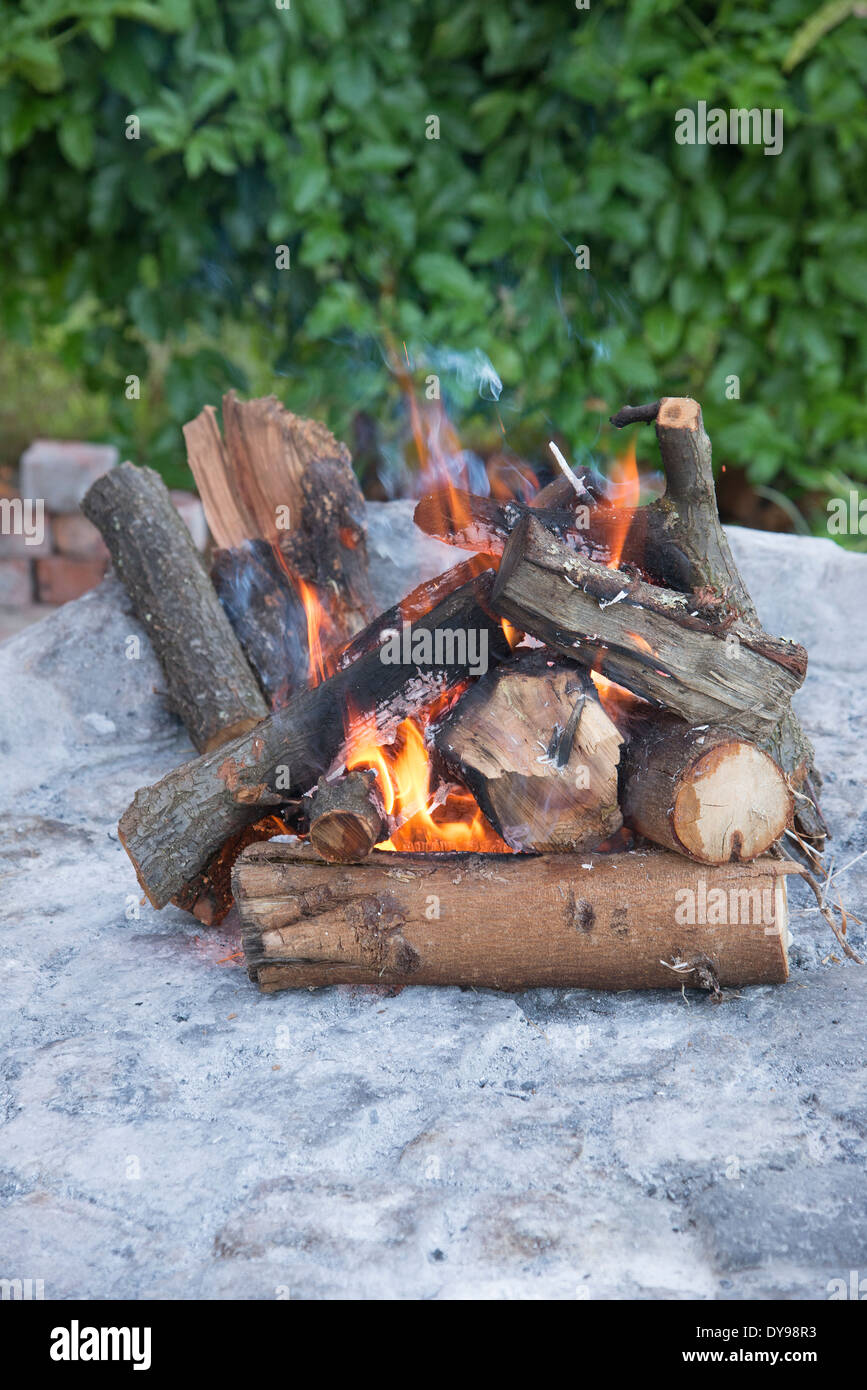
642, 920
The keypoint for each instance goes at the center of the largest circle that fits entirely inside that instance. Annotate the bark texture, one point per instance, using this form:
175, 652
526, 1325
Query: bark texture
210, 685
510, 922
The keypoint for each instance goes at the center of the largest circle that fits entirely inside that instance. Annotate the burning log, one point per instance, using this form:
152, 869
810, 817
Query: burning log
653, 641
643, 920
210, 685
413, 606
286, 482
171, 830
593, 528
267, 616
346, 816
689, 506
704, 792
534, 745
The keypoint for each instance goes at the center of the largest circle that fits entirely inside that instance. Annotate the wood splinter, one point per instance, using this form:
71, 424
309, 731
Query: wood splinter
346, 816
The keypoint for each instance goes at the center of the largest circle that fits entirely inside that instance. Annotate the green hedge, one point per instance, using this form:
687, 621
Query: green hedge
306, 127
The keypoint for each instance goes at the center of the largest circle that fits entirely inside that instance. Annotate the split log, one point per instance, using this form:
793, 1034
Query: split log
346, 816
704, 792
653, 641
172, 829
210, 684
251, 485
287, 481
643, 920
690, 512
536, 748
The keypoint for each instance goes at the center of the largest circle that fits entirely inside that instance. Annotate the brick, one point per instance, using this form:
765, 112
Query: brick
15, 518
193, 514
16, 583
60, 471
76, 536
59, 578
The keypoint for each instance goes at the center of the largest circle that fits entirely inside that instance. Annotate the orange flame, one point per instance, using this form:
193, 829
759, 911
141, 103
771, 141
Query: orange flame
624, 476
615, 700
320, 628
404, 774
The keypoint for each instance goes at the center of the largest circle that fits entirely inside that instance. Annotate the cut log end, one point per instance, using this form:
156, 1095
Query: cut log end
733, 805
346, 817
708, 794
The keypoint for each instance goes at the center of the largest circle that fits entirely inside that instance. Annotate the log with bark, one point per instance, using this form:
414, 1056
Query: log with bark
705, 792
174, 828
690, 512
655, 642
643, 920
539, 753
210, 685
346, 816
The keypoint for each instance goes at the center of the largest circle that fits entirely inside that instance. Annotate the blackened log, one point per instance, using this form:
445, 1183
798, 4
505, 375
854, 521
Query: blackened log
592, 529
172, 829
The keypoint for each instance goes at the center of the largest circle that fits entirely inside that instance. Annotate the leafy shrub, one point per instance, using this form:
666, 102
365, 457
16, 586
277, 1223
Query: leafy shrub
306, 127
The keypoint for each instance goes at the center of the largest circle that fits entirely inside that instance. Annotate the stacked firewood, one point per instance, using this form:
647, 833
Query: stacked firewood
704, 759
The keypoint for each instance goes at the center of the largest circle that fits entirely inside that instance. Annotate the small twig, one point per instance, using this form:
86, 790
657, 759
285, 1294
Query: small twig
636, 415
568, 471
820, 891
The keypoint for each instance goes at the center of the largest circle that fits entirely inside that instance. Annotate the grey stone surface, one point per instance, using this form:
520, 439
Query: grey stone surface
167, 1131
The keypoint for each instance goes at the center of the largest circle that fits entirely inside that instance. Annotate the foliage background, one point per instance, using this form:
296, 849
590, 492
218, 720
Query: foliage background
306, 127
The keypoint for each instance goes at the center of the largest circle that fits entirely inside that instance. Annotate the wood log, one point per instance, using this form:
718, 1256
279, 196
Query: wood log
653, 641
210, 685
251, 484
691, 514
267, 616
410, 609
704, 792
174, 828
346, 816
536, 748
642, 920
485, 525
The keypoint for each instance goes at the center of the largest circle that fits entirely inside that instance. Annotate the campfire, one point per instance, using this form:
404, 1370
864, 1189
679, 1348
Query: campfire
565, 760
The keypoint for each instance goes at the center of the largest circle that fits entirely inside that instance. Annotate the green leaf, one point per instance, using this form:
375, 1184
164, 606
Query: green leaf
75, 137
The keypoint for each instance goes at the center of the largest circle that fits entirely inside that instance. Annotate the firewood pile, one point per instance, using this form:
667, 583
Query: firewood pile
575, 749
